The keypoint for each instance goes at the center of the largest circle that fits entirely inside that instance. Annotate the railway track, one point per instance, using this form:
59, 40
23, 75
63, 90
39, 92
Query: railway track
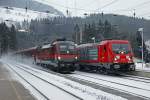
136, 78
99, 83
37, 70
45, 96
91, 79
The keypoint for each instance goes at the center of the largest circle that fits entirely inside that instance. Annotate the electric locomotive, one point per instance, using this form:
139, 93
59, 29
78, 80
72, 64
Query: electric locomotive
109, 56
59, 56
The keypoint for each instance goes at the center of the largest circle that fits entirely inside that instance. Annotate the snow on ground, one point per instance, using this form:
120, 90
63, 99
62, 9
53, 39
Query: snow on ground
32, 91
139, 67
145, 67
122, 84
50, 91
86, 92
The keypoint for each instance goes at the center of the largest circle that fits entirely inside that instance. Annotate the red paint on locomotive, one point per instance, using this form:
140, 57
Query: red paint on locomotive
59, 56
107, 55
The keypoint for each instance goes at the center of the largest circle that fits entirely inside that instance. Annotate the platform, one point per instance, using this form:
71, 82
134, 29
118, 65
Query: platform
10, 89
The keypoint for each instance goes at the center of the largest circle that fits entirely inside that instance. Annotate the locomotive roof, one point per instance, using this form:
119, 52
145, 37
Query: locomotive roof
114, 41
63, 42
56, 42
87, 45
46, 46
102, 42
26, 50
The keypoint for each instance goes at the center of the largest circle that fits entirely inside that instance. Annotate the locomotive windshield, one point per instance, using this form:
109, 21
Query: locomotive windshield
118, 48
67, 48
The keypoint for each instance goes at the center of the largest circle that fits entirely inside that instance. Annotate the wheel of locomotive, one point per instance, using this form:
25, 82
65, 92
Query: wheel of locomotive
73, 67
133, 69
81, 67
98, 69
37, 63
104, 71
58, 67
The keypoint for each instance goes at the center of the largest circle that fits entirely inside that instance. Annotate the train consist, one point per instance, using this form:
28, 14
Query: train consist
106, 56
59, 56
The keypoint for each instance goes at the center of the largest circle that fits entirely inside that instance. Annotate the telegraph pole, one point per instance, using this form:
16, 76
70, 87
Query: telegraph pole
134, 14
26, 7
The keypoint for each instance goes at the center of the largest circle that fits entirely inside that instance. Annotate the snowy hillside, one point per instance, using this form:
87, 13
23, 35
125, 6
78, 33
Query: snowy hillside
30, 4
19, 14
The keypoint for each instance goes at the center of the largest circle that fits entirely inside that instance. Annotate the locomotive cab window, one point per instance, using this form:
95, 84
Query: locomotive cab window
117, 48
66, 48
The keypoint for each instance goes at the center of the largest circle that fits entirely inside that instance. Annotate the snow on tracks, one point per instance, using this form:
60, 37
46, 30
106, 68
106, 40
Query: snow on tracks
82, 91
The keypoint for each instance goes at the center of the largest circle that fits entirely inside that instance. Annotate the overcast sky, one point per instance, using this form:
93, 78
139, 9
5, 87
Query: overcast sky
123, 7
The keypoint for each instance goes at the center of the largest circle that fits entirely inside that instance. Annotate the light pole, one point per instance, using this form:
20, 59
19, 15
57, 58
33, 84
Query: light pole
93, 38
81, 34
142, 32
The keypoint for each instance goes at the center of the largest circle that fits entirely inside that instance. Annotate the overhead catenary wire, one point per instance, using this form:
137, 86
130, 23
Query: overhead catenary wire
64, 6
140, 5
89, 4
75, 8
108, 4
133, 8
82, 9
114, 1
148, 13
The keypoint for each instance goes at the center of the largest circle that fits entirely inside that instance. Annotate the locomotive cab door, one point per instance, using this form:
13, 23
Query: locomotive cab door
103, 54
54, 53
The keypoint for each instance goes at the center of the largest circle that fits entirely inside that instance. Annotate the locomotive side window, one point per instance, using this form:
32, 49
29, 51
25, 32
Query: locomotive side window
93, 53
71, 47
63, 47
83, 54
117, 48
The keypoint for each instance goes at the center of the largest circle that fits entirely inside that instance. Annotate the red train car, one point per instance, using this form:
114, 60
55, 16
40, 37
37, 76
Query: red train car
26, 52
61, 55
106, 56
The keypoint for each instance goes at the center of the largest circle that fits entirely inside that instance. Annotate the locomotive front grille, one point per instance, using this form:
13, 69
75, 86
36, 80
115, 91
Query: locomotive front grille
123, 66
67, 59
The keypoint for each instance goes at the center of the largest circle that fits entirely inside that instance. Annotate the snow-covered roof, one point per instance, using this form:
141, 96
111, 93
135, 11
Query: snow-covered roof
63, 42
87, 45
46, 46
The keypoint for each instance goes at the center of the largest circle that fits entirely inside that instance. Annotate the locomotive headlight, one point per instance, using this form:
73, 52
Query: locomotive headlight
59, 58
76, 57
117, 57
128, 57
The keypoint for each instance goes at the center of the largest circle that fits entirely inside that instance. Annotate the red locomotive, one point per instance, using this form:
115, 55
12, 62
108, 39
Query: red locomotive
106, 56
59, 56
